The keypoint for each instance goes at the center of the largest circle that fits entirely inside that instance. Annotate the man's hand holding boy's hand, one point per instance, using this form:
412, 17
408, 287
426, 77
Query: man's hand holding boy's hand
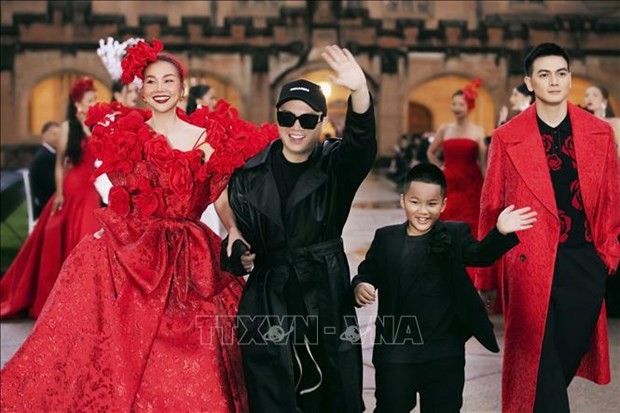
513, 220
365, 293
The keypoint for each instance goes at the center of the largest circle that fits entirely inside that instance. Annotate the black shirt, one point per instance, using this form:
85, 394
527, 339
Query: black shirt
286, 174
414, 256
562, 162
424, 324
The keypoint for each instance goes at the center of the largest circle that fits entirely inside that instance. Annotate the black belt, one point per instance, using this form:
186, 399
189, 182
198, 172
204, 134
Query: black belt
314, 252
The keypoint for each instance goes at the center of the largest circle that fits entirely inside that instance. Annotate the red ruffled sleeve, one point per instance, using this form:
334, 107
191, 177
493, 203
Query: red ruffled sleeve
118, 134
234, 141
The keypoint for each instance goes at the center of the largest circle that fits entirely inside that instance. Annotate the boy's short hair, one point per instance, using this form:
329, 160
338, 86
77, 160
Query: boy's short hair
542, 50
427, 173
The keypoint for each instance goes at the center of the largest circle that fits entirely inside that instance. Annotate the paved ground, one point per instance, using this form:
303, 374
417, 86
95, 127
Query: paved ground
377, 205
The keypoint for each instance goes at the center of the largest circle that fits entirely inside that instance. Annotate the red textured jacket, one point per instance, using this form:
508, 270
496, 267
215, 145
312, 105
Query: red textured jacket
518, 174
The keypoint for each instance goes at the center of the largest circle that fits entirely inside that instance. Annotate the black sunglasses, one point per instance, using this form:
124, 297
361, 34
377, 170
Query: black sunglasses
307, 120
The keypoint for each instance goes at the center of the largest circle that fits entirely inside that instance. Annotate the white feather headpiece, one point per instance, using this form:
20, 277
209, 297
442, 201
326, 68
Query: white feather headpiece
111, 53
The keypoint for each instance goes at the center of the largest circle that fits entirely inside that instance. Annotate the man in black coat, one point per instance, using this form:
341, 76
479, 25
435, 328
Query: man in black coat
42, 183
296, 323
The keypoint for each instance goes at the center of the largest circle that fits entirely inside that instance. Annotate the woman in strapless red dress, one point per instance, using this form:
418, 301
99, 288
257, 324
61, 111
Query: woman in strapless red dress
464, 155
66, 219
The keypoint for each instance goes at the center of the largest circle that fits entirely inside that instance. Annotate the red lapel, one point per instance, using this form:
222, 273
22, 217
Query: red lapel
524, 147
591, 145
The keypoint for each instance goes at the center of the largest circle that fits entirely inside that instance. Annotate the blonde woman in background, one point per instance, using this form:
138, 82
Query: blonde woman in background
597, 102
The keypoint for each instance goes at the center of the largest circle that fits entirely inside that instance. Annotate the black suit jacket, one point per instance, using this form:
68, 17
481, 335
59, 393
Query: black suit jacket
42, 182
451, 249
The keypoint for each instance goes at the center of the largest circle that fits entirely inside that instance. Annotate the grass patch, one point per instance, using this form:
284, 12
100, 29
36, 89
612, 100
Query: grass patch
9, 242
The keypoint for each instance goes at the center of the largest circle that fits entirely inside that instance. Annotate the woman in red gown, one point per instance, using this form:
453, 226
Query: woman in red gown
141, 318
67, 217
464, 156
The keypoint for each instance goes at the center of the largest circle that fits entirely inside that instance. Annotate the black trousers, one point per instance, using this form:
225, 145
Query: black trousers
440, 384
576, 298
317, 373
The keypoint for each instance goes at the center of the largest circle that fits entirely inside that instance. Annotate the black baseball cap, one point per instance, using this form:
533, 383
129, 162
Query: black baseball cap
306, 91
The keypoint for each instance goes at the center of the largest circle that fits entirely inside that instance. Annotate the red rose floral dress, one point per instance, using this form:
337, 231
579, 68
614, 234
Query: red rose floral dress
141, 317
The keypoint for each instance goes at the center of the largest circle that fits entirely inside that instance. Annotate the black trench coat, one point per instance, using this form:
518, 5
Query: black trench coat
303, 241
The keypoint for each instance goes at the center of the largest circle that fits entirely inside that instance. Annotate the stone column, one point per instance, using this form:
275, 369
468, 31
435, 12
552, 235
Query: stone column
260, 101
261, 106
8, 131
389, 113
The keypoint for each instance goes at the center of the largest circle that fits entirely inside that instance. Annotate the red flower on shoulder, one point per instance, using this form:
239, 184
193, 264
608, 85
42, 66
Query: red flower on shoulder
133, 121
233, 140
157, 152
97, 112
119, 201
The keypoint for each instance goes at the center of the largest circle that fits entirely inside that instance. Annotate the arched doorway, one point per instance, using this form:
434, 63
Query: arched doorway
420, 118
49, 99
222, 90
436, 96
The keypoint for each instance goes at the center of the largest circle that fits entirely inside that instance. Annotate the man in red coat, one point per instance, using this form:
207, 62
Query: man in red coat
560, 160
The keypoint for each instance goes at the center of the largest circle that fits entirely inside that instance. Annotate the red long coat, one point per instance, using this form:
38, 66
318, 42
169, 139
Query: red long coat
518, 174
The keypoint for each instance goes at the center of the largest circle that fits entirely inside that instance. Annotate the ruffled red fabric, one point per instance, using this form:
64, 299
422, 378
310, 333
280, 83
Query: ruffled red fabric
141, 317
137, 58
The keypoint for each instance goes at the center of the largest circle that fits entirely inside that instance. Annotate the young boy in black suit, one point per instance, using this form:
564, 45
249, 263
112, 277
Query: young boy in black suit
428, 307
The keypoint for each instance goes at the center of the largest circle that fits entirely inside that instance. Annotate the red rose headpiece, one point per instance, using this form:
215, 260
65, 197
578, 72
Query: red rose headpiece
137, 58
470, 92
80, 87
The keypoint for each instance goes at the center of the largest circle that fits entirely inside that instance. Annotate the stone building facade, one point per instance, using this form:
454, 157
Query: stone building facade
415, 53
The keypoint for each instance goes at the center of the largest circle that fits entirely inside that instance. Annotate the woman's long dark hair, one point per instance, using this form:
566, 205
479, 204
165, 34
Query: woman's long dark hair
609, 112
195, 92
76, 135
117, 87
